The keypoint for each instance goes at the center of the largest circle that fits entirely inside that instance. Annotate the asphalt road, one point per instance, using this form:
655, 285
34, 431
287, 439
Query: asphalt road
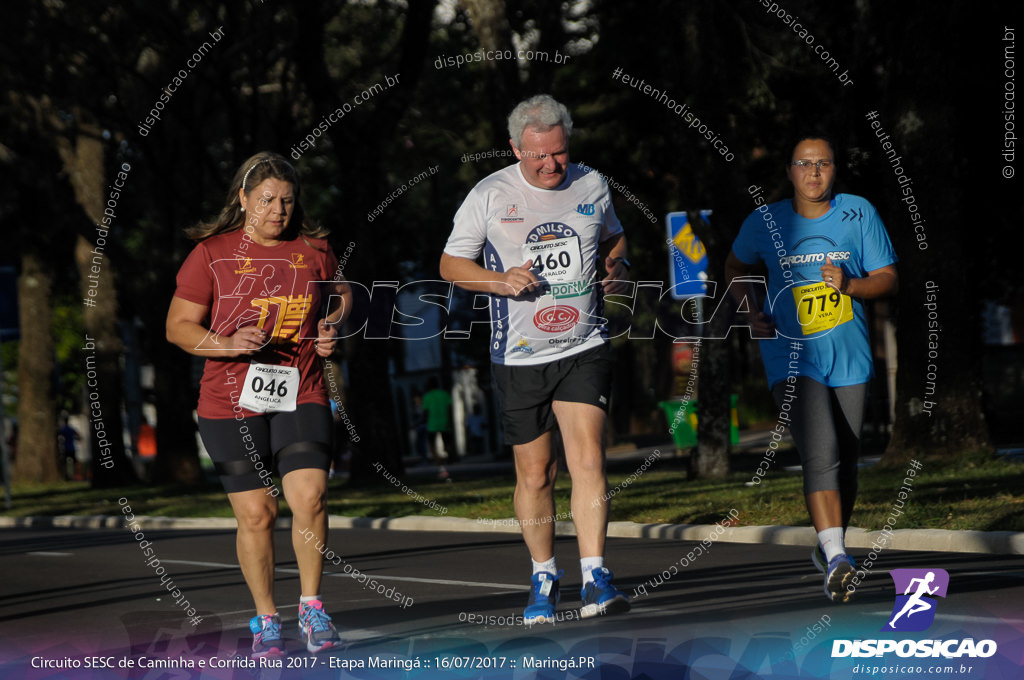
450, 600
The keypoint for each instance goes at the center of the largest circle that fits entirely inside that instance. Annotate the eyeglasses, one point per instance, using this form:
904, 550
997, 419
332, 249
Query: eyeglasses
806, 164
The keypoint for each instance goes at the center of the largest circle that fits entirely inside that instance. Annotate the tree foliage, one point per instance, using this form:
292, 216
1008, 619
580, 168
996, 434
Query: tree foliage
82, 79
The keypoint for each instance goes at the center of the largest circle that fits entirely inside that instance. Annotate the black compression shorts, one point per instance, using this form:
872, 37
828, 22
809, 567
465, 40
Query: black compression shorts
244, 451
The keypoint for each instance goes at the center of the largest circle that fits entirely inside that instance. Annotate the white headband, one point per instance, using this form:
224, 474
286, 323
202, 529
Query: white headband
262, 160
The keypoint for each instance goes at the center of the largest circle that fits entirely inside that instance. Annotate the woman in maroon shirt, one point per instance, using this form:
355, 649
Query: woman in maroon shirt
249, 300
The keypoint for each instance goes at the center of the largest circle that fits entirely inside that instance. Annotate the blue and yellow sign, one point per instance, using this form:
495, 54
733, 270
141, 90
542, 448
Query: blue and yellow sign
687, 258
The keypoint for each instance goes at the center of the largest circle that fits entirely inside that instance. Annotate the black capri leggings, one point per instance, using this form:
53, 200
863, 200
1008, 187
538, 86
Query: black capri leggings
826, 423
244, 450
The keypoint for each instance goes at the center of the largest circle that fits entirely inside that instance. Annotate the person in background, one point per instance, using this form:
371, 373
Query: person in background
437, 403
419, 423
475, 429
68, 439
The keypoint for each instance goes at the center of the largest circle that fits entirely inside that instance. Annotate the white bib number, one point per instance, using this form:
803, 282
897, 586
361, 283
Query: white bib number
556, 261
270, 388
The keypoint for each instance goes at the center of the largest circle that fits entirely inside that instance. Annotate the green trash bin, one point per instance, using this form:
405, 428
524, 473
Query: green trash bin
682, 421
683, 415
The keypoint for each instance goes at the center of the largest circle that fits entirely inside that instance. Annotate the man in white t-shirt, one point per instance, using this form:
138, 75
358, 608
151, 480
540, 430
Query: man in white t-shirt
543, 227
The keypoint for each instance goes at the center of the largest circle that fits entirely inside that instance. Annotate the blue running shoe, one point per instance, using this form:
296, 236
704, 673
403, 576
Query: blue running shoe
840, 573
601, 597
266, 632
818, 557
543, 598
820, 561
315, 627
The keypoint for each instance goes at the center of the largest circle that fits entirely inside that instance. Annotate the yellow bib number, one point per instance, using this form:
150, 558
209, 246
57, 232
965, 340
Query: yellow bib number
820, 307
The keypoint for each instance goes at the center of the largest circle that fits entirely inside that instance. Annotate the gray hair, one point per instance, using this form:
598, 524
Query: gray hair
539, 112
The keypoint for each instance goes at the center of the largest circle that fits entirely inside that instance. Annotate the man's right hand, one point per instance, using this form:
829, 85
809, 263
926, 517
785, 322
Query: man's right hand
519, 280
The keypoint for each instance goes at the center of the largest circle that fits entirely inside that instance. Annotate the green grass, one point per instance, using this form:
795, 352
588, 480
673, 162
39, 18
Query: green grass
971, 493
78, 498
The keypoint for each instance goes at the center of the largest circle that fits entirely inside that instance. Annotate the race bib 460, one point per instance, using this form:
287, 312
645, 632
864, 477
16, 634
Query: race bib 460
559, 263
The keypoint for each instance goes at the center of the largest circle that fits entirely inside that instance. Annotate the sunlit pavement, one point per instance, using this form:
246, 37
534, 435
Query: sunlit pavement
402, 598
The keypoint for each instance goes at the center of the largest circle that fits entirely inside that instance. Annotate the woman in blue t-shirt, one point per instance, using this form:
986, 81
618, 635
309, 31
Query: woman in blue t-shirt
825, 253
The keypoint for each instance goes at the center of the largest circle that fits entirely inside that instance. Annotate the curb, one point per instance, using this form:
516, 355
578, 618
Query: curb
940, 540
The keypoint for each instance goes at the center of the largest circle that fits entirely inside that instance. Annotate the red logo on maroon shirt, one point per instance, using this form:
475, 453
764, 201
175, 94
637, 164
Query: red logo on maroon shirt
556, 319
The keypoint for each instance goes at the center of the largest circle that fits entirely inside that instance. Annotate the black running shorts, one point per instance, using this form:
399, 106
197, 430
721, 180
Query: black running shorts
244, 451
525, 393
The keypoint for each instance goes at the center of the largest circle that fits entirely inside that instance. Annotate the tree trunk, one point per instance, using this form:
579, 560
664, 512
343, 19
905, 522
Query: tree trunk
710, 460
369, 403
939, 384
37, 404
110, 466
491, 28
83, 162
177, 455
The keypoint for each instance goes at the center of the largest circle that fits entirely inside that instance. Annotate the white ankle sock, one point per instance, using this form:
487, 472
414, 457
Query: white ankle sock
547, 565
589, 564
303, 599
831, 541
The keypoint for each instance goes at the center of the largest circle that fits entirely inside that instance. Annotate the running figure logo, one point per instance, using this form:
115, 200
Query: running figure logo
914, 610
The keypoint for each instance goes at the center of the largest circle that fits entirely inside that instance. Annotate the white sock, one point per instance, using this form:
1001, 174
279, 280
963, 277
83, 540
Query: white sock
303, 599
589, 564
831, 541
547, 565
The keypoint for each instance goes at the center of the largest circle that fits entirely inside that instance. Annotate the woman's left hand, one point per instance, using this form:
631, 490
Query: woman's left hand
328, 337
833, 276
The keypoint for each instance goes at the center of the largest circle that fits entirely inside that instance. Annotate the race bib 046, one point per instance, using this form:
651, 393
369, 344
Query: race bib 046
820, 307
270, 388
